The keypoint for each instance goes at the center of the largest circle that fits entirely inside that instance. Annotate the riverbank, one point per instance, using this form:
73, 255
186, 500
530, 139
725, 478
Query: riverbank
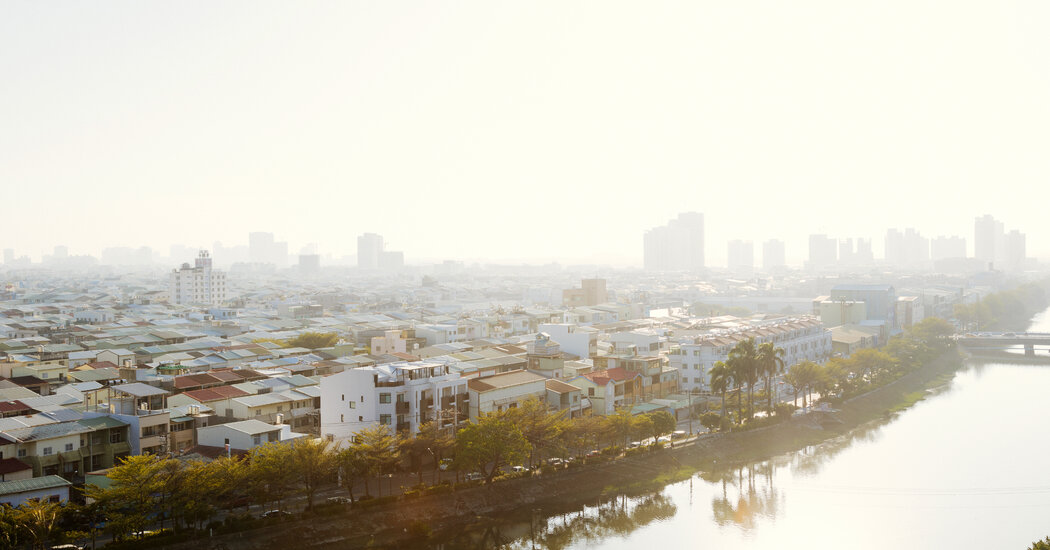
467, 514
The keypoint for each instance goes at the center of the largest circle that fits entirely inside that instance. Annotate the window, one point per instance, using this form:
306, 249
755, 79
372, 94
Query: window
341, 419
353, 405
384, 419
360, 419
280, 408
47, 451
116, 437
384, 398
69, 446
258, 412
256, 439
342, 397
362, 399
21, 453
590, 392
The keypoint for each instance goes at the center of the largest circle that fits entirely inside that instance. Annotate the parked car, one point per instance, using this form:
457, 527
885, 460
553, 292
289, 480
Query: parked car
518, 469
664, 439
338, 500
474, 476
678, 434
275, 514
593, 453
634, 445
445, 464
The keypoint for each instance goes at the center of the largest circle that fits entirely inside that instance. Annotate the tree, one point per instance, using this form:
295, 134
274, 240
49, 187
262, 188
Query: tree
10, 528
37, 519
663, 423
803, 377
744, 358
314, 340
620, 425
271, 472
711, 421
490, 444
771, 363
313, 464
379, 450
1040, 544
352, 466
538, 425
132, 496
721, 380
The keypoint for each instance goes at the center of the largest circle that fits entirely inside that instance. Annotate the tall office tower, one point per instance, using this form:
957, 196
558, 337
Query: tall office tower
369, 250
677, 246
943, 248
1014, 253
740, 256
987, 237
9, 256
199, 284
864, 255
773, 255
823, 251
908, 249
260, 247
846, 254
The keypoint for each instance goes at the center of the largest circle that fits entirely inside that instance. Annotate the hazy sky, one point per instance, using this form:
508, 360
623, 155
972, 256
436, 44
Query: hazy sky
526, 130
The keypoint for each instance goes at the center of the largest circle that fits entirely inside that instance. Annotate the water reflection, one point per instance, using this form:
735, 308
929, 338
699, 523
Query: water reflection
614, 517
747, 494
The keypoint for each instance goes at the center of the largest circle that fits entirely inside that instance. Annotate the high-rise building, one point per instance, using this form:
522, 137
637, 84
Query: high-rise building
369, 249
773, 255
944, 248
677, 246
9, 256
263, 249
197, 285
1014, 252
908, 249
740, 255
823, 252
997, 248
372, 254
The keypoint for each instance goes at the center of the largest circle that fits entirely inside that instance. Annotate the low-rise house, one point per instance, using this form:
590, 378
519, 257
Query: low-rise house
610, 389
503, 391
49, 488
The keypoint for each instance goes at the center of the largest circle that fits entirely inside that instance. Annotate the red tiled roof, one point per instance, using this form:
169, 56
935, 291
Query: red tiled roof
12, 465
13, 406
215, 394
602, 377
196, 380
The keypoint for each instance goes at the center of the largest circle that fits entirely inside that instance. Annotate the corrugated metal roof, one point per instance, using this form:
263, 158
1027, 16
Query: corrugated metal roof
32, 484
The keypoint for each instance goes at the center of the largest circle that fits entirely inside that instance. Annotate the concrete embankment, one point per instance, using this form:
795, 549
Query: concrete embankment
410, 523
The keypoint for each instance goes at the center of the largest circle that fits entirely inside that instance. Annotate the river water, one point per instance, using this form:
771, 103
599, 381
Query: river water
966, 468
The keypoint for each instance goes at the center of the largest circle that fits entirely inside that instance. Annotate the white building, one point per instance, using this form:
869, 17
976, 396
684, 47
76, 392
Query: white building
200, 284
398, 395
802, 338
579, 341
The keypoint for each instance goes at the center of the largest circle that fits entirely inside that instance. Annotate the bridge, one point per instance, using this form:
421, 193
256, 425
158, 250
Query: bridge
1001, 340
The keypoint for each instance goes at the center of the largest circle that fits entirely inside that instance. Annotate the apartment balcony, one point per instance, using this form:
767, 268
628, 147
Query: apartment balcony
401, 407
403, 426
426, 402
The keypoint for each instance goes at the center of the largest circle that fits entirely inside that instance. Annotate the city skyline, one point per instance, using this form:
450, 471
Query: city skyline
457, 128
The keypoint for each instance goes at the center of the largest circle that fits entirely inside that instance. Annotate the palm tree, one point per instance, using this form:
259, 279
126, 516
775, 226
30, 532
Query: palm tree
771, 359
721, 379
744, 356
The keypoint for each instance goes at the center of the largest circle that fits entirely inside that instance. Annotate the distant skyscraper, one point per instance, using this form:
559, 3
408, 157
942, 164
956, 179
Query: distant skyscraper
944, 248
740, 255
263, 249
908, 249
372, 254
369, 248
677, 246
773, 255
987, 236
823, 252
1014, 253
9, 256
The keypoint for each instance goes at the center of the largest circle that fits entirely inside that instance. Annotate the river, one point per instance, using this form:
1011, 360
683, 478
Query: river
966, 468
